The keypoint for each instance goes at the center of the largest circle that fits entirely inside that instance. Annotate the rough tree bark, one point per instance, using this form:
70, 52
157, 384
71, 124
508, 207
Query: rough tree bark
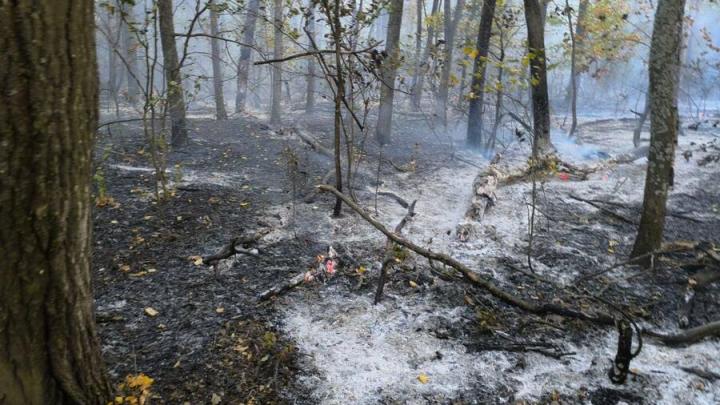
220, 112
419, 82
277, 67
475, 118
534, 17
130, 46
310, 91
664, 69
388, 71
243, 67
49, 350
451, 24
173, 76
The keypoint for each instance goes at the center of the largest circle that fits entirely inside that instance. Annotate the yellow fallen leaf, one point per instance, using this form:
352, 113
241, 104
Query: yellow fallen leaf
152, 312
423, 378
197, 260
139, 381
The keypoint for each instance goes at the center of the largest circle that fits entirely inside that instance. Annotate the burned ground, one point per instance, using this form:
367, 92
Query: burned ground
327, 343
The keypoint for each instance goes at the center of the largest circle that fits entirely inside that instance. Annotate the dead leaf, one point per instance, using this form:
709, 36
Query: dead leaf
151, 312
423, 378
413, 284
197, 260
216, 399
219, 310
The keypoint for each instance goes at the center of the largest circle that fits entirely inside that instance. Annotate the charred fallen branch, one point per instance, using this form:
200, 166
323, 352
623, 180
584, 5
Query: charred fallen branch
473, 278
597, 317
390, 256
242, 245
325, 267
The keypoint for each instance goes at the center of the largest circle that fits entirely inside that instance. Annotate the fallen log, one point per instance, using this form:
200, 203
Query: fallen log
389, 257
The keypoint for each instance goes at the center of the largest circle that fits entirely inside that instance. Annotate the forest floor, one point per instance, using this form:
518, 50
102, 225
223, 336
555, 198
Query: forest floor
203, 337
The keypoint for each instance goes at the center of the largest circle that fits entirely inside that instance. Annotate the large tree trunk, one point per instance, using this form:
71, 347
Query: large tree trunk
310, 91
49, 350
277, 67
388, 72
534, 17
419, 83
451, 24
220, 112
243, 68
475, 119
173, 76
664, 69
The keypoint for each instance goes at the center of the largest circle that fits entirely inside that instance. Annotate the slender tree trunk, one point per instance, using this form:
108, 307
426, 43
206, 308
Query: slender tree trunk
311, 63
220, 112
114, 34
417, 88
388, 72
243, 68
467, 41
339, 96
131, 57
173, 76
451, 24
538, 76
573, 67
641, 120
418, 42
575, 70
49, 350
475, 119
277, 67
664, 69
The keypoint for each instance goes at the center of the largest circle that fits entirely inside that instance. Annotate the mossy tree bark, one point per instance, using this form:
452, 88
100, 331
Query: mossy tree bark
49, 350
664, 69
